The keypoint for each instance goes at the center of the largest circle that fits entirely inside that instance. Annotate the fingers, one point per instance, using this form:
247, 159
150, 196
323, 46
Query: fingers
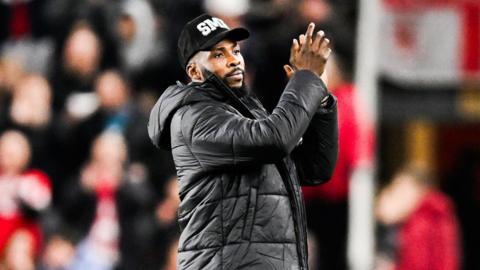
302, 38
320, 44
294, 51
318, 40
306, 39
327, 53
295, 47
309, 34
324, 48
309, 52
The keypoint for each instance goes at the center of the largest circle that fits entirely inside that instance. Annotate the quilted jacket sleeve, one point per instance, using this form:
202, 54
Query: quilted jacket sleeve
220, 136
317, 155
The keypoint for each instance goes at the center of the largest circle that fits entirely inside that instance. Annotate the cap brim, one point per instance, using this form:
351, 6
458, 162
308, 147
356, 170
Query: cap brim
236, 34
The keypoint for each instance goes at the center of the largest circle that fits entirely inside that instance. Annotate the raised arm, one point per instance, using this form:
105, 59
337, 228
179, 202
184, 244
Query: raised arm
220, 136
317, 156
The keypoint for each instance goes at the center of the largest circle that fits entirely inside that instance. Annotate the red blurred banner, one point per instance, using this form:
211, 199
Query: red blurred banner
431, 40
409, 4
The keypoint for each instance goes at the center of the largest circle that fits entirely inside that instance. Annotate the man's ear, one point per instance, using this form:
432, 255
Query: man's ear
194, 72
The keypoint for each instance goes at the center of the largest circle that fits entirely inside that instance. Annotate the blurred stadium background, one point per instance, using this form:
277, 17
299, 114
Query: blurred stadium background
82, 187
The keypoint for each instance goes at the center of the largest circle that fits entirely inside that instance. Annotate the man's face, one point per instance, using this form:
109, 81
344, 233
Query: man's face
226, 61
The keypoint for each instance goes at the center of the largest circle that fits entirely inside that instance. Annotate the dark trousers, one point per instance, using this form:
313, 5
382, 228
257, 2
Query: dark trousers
328, 221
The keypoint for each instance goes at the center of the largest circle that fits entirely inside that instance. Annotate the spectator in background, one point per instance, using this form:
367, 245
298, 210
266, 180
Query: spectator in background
61, 16
231, 12
94, 193
80, 63
58, 253
24, 194
31, 102
24, 36
419, 225
116, 111
108, 214
11, 73
315, 10
142, 48
20, 252
30, 111
327, 205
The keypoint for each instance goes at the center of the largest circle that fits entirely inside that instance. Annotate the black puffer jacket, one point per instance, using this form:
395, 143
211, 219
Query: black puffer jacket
239, 175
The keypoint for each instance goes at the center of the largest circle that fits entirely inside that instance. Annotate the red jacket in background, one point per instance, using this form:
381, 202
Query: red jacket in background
429, 238
33, 188
337, 188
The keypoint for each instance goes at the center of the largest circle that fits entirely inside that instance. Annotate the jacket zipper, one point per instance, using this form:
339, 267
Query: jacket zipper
296, 205
297, 213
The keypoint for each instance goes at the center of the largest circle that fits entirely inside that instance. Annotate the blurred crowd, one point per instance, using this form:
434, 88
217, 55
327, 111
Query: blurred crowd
81, 185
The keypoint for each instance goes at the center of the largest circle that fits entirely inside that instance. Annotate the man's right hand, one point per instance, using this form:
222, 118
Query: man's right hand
310, 54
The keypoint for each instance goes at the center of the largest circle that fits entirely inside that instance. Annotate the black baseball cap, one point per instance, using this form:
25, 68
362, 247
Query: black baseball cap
202, 33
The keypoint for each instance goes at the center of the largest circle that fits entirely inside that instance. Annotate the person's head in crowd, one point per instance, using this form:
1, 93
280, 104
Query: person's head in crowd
11, 73
403, 194
58, 253
136, 22
31, 103
20, 251
107, 161
230, 11
126, 28
208, 46
15, 152
109, 147
136, 27
82, 51
315, 10
112, 90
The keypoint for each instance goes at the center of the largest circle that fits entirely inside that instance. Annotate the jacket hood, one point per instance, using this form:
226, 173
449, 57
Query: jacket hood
172, 99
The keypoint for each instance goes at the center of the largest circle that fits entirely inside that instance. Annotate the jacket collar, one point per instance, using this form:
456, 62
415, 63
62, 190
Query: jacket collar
220, 84
233, 96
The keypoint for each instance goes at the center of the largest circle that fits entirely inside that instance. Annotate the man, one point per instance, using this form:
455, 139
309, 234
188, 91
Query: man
240, 168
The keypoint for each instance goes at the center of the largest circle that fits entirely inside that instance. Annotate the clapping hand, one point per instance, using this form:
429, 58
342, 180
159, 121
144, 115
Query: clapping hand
309, 53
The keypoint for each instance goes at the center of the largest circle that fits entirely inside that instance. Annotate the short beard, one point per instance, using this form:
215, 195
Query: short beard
206, 73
